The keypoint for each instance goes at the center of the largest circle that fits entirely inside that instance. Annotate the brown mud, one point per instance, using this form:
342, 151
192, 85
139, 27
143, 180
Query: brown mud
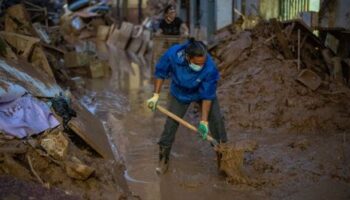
268, 163
24, 162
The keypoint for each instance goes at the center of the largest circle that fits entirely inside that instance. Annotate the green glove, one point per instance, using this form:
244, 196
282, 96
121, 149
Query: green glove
203, 129
152, 102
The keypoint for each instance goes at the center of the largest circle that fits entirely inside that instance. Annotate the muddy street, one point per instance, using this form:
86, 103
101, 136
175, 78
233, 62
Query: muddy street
289, 166
260, 91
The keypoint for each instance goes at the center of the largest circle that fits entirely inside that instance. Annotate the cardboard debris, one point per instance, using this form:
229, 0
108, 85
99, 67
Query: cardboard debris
91, 130
38, 59
6, 51
86, 47
102, 32
97, 69
74, 59
17, 20
56, 145
22, 44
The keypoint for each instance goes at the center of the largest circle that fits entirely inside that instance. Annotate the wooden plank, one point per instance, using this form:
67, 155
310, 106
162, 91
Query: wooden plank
91, 130
281, 38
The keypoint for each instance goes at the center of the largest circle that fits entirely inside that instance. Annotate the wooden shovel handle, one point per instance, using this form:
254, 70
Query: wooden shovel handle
183, 122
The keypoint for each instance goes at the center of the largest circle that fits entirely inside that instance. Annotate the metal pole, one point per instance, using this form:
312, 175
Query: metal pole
118, 11
140, 10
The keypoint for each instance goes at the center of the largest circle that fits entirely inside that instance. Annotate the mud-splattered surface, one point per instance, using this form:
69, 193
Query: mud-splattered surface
45, 177
287, 165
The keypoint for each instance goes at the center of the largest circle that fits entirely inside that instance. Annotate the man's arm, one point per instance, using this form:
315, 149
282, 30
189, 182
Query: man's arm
206, 104
158, 85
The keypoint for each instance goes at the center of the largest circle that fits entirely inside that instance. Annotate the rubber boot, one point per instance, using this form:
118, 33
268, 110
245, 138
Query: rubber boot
163, 163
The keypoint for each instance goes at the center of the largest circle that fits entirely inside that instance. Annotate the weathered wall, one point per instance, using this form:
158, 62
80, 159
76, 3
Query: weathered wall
251, 7
223, 13
269, 9
337, 14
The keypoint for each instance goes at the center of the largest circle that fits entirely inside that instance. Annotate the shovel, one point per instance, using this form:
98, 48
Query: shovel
186, 124
229, 160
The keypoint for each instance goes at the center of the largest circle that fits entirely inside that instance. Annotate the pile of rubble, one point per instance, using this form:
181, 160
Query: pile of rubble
46, 135
275, 81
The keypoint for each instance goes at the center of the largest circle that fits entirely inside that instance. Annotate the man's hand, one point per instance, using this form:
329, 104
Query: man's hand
152, 102
203, 129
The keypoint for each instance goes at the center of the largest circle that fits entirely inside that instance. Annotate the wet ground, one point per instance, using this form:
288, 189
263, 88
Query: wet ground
292, 166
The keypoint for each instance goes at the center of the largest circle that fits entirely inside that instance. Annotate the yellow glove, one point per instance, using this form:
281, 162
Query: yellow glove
152, 102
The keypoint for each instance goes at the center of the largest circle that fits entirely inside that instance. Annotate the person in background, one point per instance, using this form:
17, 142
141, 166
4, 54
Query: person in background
194, 78
171, 24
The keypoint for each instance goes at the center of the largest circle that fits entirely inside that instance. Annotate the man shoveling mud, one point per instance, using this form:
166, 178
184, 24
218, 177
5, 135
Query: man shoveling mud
194, 78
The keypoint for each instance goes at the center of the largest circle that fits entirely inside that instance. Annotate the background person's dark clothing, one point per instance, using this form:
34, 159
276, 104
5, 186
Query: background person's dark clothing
215, 119
171, 29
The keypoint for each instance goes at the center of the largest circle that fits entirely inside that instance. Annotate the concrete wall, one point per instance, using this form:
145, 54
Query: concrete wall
251, 7
134, 3
269, 9
198, 26
223, 13
339, 16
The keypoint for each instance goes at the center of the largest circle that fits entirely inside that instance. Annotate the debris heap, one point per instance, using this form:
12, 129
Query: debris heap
73, 155
267, 86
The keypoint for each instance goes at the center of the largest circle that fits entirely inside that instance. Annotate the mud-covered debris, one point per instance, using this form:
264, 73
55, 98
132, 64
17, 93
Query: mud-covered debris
13, 147
247, 145
262, 166
231, 162
74, 59
103, 32
62, 107
301, 144
17, 20
77, 170
6, 51
21, 44
309, 79
11, 166
98, 69
56, 145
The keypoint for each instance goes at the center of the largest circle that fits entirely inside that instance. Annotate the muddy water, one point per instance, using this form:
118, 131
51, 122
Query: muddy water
292, 174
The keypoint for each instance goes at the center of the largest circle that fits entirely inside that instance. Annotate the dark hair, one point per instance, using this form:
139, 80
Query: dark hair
195, 48
168, 7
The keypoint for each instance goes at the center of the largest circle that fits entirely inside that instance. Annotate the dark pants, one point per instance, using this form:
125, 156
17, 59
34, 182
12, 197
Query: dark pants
216, 122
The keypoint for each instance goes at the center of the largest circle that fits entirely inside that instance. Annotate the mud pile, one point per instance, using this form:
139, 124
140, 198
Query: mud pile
263, 91
72, 170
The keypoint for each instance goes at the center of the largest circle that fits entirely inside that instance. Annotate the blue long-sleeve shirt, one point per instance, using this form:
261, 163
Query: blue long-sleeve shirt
187, 85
